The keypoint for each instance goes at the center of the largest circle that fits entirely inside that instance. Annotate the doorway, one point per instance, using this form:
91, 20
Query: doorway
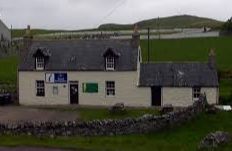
74, 92
156, 96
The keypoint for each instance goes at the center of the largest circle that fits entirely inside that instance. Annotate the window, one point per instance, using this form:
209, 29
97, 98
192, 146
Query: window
39, 63
110, 63
196, 93
55, 90
110, 88
40, 88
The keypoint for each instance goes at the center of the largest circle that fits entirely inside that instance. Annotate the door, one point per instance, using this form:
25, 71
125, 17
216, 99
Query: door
156, 96
74, 93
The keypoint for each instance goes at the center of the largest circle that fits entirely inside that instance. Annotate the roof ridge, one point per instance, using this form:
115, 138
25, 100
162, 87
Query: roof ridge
175, 62
73, 40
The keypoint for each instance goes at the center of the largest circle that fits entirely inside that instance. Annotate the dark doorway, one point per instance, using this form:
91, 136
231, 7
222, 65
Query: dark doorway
74, 93
156, 96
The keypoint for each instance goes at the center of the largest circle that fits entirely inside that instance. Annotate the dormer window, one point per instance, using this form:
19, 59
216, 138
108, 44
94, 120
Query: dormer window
110, 63
40, 63
111, 58
41, 56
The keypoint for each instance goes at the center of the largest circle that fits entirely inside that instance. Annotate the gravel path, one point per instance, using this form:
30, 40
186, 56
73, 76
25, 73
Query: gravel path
18, 113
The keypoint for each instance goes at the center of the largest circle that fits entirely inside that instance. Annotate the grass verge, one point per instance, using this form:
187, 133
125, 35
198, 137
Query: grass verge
183, 138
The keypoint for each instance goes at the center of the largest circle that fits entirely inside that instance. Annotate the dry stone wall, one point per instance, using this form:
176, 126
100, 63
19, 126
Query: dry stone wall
144, 124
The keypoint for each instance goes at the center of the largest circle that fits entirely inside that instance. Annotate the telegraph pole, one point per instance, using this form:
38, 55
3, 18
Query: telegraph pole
148, 44
158, 23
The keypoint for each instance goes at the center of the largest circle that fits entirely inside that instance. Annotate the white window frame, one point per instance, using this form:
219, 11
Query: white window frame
110, 88
39, 63
196, 93
110, 63
40, 88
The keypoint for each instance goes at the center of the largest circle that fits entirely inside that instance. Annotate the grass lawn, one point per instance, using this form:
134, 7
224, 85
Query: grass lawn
192, 49
183, 138
93, 113
8, 69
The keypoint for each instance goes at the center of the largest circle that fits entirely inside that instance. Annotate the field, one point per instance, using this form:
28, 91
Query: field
8, 69
183, 138
192, 49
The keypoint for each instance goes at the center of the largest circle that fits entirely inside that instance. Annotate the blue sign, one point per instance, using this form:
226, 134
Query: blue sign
60, 78
56, 77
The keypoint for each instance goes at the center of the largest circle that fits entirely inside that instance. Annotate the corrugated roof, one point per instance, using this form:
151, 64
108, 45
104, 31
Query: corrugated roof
178, 75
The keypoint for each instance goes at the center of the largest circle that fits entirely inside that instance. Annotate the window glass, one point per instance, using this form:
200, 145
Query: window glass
40, 88
39, 63
110, 88
196, 93
110, 63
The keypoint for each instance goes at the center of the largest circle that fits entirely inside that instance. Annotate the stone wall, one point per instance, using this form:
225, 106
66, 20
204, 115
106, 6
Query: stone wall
144, 124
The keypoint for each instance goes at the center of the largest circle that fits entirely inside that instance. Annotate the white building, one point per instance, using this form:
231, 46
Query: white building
106, 72
5, 33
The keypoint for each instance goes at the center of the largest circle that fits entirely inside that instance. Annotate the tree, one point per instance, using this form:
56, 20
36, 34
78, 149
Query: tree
227, 28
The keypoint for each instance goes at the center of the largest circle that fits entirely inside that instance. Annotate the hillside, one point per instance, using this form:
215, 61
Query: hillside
21, 32
183, 21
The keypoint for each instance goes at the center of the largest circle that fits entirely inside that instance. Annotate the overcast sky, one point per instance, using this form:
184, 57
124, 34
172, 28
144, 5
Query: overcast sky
80, 14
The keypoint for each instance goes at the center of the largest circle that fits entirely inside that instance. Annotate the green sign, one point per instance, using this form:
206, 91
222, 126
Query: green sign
90, 87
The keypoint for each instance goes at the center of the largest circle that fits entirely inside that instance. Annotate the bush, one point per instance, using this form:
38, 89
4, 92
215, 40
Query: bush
225, 100
227, 28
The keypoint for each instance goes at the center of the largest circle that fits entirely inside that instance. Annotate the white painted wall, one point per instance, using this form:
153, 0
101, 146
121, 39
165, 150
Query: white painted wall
5, 31
125, 82
177, 96
212, 95
182, 97
126, 90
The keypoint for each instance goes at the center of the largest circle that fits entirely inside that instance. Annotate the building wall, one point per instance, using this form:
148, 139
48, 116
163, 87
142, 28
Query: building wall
212, 95
183, 96
5, 31
177, 96
125, 85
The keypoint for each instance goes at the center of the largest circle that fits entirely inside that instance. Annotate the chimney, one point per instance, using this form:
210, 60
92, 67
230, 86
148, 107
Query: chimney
135, 37
27, 41
212, 59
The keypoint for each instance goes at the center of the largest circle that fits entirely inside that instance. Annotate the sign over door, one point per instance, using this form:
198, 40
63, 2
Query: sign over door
56, 77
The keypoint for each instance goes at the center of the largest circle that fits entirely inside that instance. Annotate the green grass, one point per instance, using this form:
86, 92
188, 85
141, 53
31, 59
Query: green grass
226, 87
192, 49
183, 138
8, 69
93, 113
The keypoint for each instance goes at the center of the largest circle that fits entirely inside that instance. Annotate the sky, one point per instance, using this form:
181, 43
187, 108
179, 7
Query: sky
83, 14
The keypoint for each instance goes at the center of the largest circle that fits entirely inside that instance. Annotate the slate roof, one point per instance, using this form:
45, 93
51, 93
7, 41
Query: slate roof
178, 75
82, 55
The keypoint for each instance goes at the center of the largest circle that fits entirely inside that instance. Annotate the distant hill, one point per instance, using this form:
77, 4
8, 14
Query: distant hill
183, 21
21, 32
